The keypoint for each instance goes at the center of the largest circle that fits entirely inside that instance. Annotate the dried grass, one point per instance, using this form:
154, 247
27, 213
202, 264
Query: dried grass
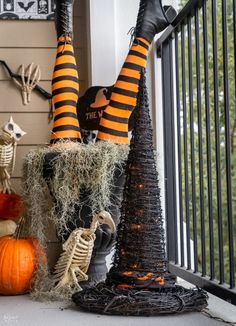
89, 167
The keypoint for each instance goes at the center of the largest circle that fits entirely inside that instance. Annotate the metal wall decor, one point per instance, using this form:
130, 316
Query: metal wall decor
26, 9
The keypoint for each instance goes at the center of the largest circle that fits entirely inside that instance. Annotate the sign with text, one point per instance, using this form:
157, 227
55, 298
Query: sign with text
26, 9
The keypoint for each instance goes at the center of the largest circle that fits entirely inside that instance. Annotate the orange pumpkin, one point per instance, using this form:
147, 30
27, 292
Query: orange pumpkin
17, 265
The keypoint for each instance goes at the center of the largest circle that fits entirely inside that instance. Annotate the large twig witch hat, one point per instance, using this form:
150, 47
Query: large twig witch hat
139, 282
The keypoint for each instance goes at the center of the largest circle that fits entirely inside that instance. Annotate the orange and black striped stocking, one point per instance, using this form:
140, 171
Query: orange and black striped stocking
114, 122
65, 88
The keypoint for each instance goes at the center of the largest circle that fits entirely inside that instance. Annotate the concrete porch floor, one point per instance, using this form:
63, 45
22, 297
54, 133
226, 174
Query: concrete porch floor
22, 311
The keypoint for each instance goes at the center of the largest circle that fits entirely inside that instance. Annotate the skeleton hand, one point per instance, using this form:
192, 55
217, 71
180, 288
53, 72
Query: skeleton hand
29, 79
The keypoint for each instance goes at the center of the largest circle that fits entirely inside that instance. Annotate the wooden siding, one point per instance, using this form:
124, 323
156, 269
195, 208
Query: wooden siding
35, 41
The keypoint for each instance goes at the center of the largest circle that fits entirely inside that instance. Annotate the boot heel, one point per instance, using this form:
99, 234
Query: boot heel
170, 13
153, 18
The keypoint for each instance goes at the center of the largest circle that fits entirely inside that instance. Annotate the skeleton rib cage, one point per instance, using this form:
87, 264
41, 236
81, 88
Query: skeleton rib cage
7, 162
74, 262
6, 155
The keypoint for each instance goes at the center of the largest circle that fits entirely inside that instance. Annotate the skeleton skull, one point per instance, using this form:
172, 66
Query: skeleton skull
105, 218
13, 130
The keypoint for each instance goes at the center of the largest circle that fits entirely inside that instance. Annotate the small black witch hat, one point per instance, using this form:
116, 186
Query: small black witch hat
139, 282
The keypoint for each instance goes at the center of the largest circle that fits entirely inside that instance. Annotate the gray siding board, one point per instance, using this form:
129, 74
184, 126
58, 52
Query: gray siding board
37, 34
11, 100
45, 58
35, 41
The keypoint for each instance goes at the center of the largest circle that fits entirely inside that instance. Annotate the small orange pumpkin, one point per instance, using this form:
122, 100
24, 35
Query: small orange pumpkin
17, 265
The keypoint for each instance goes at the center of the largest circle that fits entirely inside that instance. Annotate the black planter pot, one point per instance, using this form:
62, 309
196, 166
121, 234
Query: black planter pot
83, 216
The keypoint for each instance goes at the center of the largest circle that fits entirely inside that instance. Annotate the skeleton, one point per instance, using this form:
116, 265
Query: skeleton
73, 263
28, 82
10, 134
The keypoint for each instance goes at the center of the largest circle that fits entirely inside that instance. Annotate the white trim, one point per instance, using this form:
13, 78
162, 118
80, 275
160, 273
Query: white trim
157, 118
102, 42
88, 43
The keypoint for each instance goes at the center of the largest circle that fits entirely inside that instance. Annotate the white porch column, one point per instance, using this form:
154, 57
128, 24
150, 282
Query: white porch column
102, 42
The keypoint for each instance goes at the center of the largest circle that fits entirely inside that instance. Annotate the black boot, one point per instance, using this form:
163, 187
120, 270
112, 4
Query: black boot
153, 18
64, 17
